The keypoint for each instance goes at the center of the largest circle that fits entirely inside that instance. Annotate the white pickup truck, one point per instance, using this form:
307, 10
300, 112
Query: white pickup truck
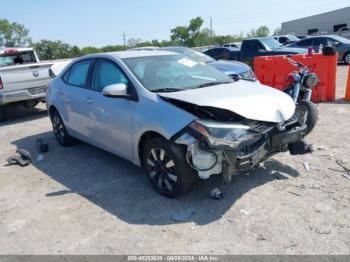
23, 78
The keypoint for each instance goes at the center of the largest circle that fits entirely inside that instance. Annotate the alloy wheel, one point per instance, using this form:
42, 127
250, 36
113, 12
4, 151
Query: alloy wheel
161, 170
347, 58
58, 127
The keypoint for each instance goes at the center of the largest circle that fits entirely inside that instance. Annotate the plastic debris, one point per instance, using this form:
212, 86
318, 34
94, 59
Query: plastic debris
42, 145
216, 194
183, 215
306, 166
40, 158
23, 159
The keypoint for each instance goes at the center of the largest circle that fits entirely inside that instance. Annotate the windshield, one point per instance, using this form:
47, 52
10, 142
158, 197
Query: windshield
173, 72
293, 38
17, 59
271, 43
195, 55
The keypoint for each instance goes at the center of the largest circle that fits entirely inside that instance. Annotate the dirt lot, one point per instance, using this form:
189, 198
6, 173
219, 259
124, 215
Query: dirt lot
82, 200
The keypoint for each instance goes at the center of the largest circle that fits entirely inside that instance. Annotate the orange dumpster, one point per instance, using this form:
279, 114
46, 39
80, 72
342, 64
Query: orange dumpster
274, 70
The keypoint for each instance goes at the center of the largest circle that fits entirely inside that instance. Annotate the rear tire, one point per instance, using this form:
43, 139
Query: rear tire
312, 114
167, 168
59, 129
2, 113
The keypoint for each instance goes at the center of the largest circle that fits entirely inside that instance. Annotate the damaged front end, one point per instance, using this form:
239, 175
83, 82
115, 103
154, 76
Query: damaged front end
215, 147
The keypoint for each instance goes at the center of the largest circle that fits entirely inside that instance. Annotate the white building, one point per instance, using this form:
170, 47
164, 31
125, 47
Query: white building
334, 22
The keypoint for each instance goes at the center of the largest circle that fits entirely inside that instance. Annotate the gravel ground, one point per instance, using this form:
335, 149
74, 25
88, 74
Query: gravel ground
82, 200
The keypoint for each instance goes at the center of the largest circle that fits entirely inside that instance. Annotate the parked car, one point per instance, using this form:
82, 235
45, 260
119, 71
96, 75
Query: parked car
23, 78
251, 48
341, 44
222, 53
235, 45
175, 117
232, 68
302, 36
286, 39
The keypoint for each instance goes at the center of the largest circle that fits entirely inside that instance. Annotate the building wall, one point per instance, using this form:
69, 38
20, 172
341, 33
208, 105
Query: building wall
323, 22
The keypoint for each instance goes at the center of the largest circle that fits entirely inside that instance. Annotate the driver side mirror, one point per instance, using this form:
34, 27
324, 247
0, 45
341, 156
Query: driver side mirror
336, 44
116, 90
261, 50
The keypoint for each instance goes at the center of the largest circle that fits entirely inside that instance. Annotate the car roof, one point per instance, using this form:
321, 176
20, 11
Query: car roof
18, 49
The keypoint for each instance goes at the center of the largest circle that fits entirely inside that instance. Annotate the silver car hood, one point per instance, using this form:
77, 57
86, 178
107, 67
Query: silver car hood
248, 99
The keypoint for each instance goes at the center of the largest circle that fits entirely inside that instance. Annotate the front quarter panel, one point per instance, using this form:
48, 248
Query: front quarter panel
152, 113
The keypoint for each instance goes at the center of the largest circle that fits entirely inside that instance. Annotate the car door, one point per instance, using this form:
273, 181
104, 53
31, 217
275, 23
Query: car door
74, 97
111, 117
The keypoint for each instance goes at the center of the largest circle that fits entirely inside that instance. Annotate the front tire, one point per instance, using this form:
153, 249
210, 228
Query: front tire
311, 112
347, 58
167, 168
59, 129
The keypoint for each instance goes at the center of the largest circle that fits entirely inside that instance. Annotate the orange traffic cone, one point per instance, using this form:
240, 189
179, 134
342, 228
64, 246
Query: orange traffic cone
347, 92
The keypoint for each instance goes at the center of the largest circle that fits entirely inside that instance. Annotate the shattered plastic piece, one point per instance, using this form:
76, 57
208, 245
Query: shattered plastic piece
244, 211
25, 154
306, 166
216, 194
16, 160
42, 145
40, 158
183, 215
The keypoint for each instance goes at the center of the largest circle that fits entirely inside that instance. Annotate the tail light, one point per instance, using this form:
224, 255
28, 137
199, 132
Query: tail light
1, 84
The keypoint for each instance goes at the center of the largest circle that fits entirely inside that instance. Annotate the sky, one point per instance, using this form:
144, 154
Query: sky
103, 22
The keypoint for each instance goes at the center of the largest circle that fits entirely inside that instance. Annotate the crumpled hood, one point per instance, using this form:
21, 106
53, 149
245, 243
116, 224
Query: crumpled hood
248, 99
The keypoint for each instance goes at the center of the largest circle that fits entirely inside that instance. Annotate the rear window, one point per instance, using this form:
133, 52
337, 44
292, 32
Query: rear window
18, 58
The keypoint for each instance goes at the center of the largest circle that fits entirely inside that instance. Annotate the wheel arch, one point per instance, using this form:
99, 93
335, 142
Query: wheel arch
144, 138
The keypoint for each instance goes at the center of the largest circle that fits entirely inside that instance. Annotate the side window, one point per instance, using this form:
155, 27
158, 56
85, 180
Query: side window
305, 43
107, 73
78, 74
283, 40
252, 47
319, 41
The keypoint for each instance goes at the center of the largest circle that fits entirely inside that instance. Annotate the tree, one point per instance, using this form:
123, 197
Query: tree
133, 42
13, 34
188, 35
277, 31
49, 50
263, 31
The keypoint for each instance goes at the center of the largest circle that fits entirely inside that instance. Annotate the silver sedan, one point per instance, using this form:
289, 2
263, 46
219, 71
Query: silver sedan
176, 117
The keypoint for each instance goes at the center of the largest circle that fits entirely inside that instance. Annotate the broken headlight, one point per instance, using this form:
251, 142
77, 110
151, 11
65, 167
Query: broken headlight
223, 134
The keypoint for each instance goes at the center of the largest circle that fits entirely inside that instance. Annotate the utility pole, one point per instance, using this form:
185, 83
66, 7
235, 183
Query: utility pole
124, 38
211, 30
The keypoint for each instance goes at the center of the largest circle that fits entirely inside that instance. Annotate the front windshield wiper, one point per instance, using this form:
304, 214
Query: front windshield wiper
164, 90
213, 84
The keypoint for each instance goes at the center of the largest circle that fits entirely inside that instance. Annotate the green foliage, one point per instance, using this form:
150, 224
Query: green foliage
277, 31
49, 50
190, 35
13, 34
262, 31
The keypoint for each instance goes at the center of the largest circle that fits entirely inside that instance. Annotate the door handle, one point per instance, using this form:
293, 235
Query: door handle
88, 100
